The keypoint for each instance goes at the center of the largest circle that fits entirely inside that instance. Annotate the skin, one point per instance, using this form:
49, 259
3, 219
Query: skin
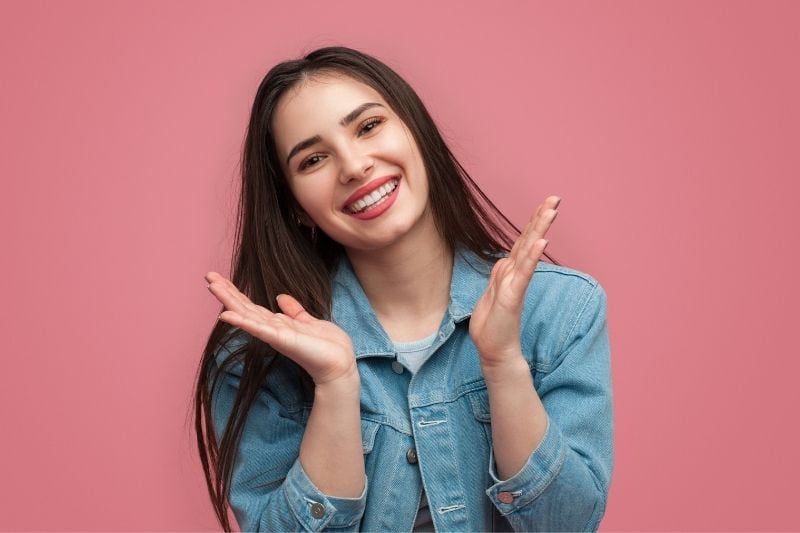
398, 257
405, 270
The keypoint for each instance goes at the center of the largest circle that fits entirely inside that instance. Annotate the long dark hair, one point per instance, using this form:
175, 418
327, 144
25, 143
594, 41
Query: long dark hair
274, 253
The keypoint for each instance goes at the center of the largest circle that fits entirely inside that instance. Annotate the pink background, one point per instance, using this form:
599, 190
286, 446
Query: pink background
670, 130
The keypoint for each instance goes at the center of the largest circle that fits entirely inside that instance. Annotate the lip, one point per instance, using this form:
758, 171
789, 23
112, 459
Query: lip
366, 189
376, 211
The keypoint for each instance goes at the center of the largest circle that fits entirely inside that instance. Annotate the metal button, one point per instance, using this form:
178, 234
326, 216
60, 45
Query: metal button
317, 510
411, 456
505, 497
397, 368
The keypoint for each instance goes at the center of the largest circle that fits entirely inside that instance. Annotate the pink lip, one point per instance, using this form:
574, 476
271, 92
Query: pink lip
377, 211
366, 189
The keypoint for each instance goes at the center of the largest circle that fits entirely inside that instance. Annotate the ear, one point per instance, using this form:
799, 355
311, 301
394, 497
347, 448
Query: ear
303, 217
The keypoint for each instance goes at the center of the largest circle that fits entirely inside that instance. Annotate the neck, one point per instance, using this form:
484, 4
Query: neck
407, 283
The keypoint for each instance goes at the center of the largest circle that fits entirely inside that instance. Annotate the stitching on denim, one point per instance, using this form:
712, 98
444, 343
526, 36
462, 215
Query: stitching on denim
449, 508
426, 423
590, 524
290, 506
578, 317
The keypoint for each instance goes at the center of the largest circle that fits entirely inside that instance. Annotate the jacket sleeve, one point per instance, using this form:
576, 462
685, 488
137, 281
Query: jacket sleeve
270, 491
564, 484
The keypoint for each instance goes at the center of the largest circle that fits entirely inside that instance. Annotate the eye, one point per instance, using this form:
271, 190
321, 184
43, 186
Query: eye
310, 161
369, 125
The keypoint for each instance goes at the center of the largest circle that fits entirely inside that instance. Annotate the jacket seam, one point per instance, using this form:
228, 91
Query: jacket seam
584, 305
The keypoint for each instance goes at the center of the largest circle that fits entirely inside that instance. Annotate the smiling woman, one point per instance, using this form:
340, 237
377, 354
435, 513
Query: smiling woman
357, 161
393, 354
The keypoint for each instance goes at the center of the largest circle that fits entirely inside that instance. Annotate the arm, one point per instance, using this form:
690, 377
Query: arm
331, 448
320, 463
554, 455
290, 478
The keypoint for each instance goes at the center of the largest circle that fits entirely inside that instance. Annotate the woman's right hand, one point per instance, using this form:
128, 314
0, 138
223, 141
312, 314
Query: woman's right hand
323, 349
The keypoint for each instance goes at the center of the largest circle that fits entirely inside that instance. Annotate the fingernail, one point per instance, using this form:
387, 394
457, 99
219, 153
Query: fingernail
558, 202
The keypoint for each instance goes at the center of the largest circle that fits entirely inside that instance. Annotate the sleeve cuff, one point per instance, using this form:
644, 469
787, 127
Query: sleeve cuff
542, 467
316, 510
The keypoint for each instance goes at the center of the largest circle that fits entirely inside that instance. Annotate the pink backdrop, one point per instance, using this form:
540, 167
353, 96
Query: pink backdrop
670, 130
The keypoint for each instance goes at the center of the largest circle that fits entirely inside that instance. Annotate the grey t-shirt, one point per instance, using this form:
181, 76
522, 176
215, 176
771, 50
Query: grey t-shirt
412, 355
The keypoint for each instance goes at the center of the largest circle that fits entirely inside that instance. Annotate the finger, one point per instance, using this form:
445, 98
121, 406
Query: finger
294, 309
227, 293
543, 223
497, 273
551, 202
536, 229
526, 267
229, 299
518, 243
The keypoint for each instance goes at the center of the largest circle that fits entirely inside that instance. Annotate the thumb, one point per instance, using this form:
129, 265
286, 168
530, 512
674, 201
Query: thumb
291, 307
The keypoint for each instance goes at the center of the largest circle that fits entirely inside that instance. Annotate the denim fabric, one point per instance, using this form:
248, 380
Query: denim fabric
443, 412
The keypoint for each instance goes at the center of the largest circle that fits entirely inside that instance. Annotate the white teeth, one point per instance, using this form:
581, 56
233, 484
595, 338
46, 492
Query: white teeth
374, 197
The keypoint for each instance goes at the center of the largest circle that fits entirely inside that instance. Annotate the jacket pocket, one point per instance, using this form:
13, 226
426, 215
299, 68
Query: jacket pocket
479, 402
369, 429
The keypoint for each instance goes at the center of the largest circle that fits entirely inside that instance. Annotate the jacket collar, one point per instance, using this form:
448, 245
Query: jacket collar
352, 311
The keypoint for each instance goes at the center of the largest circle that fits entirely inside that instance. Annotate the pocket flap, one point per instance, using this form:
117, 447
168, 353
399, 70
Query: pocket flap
480, 404
369, 429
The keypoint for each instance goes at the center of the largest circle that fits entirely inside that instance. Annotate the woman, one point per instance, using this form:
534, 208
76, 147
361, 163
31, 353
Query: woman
386, 358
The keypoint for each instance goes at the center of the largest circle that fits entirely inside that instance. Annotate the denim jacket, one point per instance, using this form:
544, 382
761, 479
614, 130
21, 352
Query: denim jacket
433, 429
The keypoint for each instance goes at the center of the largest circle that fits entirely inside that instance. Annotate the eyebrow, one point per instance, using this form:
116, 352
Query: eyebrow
346, 120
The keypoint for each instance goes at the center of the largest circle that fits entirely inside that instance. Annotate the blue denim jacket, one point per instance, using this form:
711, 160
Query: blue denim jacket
441, 413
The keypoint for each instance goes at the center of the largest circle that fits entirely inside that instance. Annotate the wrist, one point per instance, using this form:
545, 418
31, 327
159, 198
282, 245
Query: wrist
348, 384
505, 370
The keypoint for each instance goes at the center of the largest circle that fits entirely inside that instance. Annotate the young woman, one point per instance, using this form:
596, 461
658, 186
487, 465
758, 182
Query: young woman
389, 357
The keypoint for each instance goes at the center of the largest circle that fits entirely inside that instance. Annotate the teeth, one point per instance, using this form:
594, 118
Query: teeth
373, 197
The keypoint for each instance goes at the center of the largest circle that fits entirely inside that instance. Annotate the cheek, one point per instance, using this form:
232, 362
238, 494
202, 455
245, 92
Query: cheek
315, 196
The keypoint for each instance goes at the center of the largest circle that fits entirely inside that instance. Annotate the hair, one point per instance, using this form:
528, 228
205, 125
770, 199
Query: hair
273, 253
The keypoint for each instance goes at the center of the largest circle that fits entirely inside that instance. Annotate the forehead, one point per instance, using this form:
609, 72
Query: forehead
316, 106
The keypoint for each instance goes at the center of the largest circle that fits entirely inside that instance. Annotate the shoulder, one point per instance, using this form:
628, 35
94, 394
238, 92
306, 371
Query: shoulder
561, 303
565, 281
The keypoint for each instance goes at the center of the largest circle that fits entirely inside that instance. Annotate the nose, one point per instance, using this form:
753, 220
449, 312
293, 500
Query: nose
355, 164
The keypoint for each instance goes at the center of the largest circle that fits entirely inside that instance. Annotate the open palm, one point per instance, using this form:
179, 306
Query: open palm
495, 322
322, 348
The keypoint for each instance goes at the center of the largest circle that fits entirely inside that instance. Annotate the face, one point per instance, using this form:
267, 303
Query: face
352, 165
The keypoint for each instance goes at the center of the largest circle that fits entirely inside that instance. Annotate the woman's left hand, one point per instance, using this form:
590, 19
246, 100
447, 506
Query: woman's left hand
495, 322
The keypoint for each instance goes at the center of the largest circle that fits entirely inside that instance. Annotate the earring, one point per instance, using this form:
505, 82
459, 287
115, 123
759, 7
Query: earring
298, 219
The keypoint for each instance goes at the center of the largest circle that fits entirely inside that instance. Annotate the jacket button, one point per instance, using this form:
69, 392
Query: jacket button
505, 497
411, 456
317, 510
397, 368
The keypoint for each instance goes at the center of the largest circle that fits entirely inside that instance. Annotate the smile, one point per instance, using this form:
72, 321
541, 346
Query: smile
373, 199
